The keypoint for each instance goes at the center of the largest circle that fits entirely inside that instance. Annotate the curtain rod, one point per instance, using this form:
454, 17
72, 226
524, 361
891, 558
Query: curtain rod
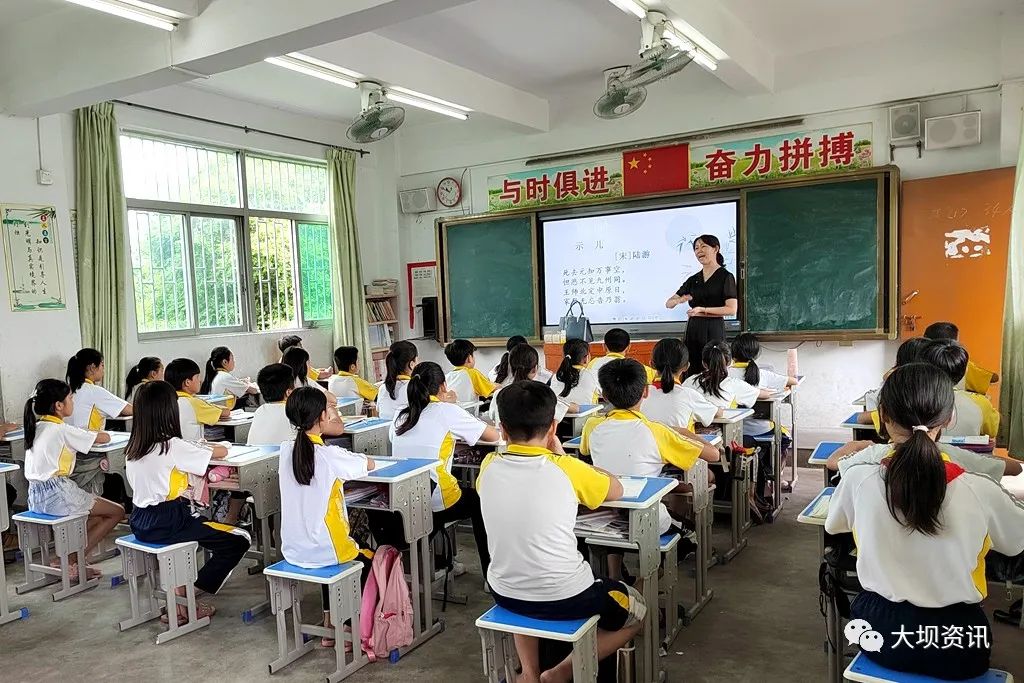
245, 129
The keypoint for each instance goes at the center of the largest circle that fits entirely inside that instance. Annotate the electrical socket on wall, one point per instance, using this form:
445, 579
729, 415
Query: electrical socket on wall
44, 177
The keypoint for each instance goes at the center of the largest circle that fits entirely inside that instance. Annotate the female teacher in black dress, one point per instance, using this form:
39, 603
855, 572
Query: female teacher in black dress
712, 296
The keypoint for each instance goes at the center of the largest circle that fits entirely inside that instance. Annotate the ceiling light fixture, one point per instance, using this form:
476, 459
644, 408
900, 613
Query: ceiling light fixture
681, 35
631, 7
429, 98
125, 10
317, 69
428, 105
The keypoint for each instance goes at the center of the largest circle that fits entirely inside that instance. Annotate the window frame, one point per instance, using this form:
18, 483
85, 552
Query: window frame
241, 216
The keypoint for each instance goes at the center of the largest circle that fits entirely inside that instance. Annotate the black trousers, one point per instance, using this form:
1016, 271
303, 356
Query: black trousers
172, 522
700, 331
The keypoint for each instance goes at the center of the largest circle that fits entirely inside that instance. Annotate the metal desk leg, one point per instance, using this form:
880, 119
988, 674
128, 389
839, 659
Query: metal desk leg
793, 437
643, 530
776, 459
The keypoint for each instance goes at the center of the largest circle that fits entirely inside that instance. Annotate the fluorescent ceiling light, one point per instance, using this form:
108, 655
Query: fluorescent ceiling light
133, 12
680, 34
631, 7
304, 66
429, 98
678, 41
705, 61
428, 105
700, 39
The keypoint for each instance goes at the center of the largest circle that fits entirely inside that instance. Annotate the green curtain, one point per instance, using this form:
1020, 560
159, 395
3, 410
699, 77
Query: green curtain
1011, 392
350, 327
99, 201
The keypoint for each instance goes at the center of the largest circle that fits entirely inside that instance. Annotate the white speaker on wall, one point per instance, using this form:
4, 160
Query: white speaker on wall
955, 130
905, 122
420, 200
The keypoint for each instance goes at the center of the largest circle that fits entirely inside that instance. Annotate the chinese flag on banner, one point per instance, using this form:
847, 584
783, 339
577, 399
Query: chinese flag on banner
661, 169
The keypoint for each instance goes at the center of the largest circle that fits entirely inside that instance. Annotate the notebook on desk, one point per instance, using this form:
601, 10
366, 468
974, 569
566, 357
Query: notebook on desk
632, 487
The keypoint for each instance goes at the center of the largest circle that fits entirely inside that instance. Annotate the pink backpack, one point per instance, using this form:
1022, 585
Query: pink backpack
386, 619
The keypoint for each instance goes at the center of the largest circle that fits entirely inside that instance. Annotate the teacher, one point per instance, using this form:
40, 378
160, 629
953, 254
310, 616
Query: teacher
712, 295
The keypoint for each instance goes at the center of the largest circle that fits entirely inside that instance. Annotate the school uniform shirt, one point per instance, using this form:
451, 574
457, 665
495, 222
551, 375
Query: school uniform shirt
975, 416
624, 443
387, 407
434, 436
314, 518
348, 385
977, 515
528, 499
469, 384
977, 379
585, 391
978, 463
158, 477
54, 449
270, 426
193, 413
135, 389
681, 407
543, 375
735, 392
597, 363
93, 405
229, 385
773, 382
561, 408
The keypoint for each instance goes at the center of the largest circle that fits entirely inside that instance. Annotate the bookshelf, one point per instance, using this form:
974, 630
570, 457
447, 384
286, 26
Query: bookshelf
382, 317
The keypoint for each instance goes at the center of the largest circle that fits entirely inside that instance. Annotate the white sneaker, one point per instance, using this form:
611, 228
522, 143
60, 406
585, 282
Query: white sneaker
458, 569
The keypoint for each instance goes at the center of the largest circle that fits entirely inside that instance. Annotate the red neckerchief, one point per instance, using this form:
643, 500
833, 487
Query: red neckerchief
952, 469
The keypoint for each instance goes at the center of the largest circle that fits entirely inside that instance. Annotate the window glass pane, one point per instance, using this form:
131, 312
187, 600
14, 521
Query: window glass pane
215, 269
174, 172
273, 270
157, 243
285, 185
315, 271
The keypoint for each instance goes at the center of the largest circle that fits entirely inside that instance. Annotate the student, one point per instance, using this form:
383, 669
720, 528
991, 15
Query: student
399, 363
745, 350
51, 447
974, 412
314, 519
574, 382
500, 373
522, 362
290, 341
93, 403
297, 359
468, 383
977, 378
908, 352
624, 442
537, 570
148, 369
346, 382
158, 461
270, 425
428, 428
715, 384
220, 381
913, 513
616, 343
671, 403
183, 375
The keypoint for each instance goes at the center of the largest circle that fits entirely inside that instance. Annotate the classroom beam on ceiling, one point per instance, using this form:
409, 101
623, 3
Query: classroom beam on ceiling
102, 57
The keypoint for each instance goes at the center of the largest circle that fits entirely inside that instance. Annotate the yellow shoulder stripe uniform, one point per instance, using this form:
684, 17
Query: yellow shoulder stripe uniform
206, 413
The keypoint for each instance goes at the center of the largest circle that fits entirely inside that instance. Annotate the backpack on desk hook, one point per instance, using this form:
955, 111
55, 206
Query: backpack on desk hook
386, 619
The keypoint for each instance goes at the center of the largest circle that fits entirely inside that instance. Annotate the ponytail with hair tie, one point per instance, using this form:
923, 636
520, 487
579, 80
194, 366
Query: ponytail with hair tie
576, 351
304, 407
669, 358
426, 381
716, 368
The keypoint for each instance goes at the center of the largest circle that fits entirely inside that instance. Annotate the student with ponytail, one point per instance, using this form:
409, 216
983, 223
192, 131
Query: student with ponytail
158, 461
745, 350
399, 364
523, 361
51, 447
923, 527
669, 402
220, 381
574, 382
428, 428
93, 403
715, 383
501, 372
148, 369
314, 519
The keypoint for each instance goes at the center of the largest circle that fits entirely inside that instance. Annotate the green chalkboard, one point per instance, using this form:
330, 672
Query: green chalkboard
815, 258
490, 278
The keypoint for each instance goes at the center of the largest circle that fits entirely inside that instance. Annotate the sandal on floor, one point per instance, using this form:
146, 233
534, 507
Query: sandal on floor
203, 610
330, 642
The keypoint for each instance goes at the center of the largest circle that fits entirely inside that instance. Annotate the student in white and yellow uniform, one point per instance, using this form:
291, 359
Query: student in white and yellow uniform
573, 382
626, 443
428, 428
93, 403
908, 352
529, 497
290, 341
522, 365
923, 526
346, 382
501, 373
616, 343
314, 520
976, 379
975, 415
669, 402
51, 447
148, 369
194, 413
270, 425
298, 360
220, 381
745, 350
399, 363
158, 462
468, 383
715, 384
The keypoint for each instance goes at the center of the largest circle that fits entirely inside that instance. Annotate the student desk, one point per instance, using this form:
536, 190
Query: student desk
774, 405
820, 455
743, 469
408, 488
861, 432
573, 444
471, 407
347, 405
6, 615
12, 450
236, 427
113, 453
578, 419
369, 437
834, 638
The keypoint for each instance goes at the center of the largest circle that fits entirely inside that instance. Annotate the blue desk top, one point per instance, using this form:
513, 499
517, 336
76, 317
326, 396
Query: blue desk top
367, 425
851, 423
501, 619
401, 469
348, 400
823, 451
870, 671
655, 488
805, 514
6, 467
574, 442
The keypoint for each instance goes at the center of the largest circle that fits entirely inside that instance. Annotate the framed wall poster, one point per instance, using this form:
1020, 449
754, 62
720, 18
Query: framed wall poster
422, 281
34, 278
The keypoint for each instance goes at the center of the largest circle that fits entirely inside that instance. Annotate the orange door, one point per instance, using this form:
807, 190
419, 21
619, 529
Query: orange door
954, 234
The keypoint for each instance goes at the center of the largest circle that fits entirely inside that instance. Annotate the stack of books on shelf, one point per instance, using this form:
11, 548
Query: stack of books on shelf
382, 287
380, 311
380, 336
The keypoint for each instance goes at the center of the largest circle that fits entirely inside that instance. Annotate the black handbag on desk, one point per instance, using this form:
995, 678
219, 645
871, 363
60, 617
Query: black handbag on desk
576, 326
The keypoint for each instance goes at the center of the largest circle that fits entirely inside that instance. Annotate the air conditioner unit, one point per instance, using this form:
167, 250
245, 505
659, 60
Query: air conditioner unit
955, 130
905, 122
420, 200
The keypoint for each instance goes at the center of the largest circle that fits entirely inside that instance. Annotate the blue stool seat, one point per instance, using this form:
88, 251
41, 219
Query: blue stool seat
40, 518
131, 542
500, 619
329, 574
863, 670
